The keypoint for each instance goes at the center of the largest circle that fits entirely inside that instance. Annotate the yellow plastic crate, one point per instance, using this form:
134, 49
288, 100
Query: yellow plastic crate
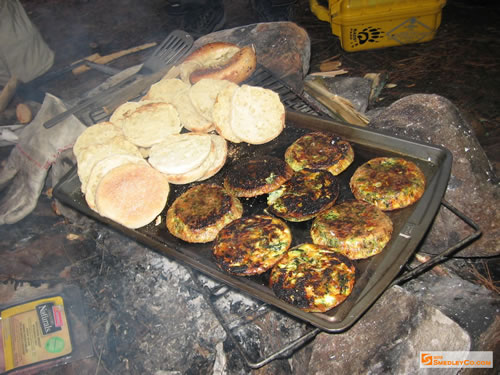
369, 24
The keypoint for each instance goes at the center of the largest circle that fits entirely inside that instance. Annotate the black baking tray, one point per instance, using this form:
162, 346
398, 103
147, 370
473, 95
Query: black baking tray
373, 276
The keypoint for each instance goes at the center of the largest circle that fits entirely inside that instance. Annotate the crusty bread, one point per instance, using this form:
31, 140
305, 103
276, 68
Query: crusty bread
180, 153
132, 194
190, 118
101, 168
150, 123
210, 55
236, 69
203, 95
90, 155
101, 132
257, 114
222, 113
166, 90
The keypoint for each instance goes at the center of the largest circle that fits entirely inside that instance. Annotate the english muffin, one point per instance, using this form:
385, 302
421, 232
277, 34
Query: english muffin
132, 194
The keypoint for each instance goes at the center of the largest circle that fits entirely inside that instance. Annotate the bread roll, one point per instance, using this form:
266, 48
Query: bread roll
257, 114
180, 153
219, 60
203, 95
166, 90
132, 194
222, 113
190, 118
89, 156
150, 123
101, 168
99, 133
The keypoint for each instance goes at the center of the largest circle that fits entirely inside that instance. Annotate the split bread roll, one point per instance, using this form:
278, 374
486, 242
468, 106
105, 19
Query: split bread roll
101, 132
189, 117
150, 122
219, 60
166, 90
101, 168
89, 156
221, 113
203, 95
132, 194
257, 114
180, 153
163, 155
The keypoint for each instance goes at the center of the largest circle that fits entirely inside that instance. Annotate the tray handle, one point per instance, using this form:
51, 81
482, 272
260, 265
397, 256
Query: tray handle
413, 272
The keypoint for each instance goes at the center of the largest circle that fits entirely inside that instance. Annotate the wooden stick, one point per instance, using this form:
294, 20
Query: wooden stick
113, 56
8, 92
337, 104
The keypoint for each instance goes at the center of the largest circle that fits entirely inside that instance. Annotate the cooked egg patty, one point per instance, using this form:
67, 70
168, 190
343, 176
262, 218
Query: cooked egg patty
201, 212
318, 150
356, 229
304, 196
388, 183
313, 277
251, 245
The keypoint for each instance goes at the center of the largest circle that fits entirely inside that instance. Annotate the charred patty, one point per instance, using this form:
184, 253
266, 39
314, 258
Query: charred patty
251, 245
388, 183
304, 196
201, 212
256, 176
313, 278
318, 150
356, 229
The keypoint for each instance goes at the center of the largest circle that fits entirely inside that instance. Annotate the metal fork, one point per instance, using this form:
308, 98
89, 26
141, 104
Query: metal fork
173, 48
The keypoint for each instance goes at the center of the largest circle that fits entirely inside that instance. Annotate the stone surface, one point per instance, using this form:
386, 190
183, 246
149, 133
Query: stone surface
472, 188
282, 47
388, 339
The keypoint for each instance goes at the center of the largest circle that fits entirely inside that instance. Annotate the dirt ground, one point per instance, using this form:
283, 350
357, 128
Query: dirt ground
461, 63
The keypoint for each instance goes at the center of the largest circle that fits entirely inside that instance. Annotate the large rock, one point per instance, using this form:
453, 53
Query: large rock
282, 47
471, 189
388, 339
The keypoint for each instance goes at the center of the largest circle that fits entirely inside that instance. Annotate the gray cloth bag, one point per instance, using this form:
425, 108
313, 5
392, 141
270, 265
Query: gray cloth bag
23, 52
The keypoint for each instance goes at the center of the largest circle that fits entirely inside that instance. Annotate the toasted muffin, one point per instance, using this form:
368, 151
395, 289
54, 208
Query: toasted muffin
133, 194
388, 183
201, 212
313, 278
251, 245
304, 196
318, 150
356, 229
257, 176
257, 114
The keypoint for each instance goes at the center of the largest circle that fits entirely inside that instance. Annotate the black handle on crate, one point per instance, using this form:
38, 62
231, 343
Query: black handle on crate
446, 253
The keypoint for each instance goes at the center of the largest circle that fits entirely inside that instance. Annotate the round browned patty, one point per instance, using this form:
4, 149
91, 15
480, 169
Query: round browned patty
304, 196
201, 212
318, 150
257, 176
313, 278
356, 229
251, 245
388, 183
